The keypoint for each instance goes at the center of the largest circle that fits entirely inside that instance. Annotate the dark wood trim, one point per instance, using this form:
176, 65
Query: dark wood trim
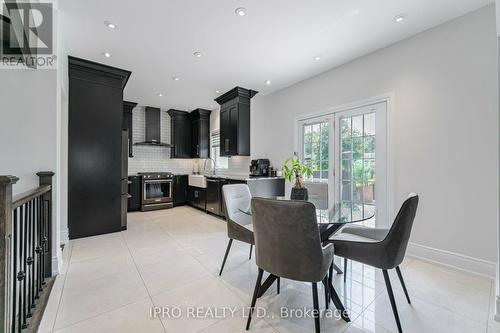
99, 73
128, 106
22, 198
234, 93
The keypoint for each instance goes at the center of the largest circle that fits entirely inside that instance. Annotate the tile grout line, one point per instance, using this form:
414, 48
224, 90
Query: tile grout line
142, 279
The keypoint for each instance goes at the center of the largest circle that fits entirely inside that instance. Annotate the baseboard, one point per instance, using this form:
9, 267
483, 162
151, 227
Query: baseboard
64, 236
455, 260
497, 309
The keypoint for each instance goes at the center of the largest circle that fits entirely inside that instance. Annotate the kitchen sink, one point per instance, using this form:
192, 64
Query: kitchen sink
197, 181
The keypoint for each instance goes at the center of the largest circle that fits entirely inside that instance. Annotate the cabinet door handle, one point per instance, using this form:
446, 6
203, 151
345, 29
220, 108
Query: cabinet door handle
226, 144
175, 150
197, 149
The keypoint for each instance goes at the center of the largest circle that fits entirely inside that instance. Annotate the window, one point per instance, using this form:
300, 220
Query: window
221, 162
347, 149
315, 149
357, 166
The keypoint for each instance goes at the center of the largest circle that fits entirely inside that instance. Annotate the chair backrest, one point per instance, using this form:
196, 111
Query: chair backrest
396, 241
287, 240
236, 197
318, 194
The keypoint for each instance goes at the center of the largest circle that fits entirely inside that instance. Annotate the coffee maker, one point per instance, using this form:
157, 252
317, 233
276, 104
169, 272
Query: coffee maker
259, 168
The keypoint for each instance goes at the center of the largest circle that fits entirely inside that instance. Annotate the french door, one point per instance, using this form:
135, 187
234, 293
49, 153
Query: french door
348, 150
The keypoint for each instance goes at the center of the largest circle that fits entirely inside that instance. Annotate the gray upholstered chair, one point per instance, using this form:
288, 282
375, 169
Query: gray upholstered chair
318, 193
381, 248
239, 224
288, 245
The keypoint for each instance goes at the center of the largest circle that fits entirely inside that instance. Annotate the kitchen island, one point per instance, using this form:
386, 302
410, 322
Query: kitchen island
205, 191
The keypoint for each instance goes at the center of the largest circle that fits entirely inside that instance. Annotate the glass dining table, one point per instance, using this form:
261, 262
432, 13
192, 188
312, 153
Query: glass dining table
331, 217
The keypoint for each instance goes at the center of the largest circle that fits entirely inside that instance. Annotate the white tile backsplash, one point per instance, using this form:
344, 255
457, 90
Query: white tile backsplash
150, 158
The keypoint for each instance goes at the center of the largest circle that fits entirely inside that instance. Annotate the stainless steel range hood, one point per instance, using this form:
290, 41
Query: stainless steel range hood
153, 129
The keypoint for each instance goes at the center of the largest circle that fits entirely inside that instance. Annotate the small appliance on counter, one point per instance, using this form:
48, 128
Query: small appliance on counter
259, 168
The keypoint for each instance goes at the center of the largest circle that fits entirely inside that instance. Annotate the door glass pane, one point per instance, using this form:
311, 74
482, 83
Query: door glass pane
358, 165
316, 147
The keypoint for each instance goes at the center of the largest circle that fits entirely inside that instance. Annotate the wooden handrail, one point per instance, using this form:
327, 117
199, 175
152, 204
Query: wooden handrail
22, 198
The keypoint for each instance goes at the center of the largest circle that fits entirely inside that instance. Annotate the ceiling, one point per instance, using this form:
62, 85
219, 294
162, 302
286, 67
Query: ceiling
276, 40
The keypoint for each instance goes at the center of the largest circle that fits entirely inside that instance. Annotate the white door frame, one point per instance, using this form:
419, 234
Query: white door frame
389, 98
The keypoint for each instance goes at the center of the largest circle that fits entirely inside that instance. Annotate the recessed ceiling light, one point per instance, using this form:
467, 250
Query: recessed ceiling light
217, 91
240, 11
197, 54
268, 82
175, 78
110, 25
106, 54
399, 18
317, 58
160, 94
211, 105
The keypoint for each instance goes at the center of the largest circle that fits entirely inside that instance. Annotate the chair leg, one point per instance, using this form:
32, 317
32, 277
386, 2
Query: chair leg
316, 306
345, 270
278, 281
250, 255
337, 302
254, 297
225, 255
391, 297
403, 284
327, 294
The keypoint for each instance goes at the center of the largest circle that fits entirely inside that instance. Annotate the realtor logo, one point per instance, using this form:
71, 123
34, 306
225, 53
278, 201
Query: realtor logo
27, 34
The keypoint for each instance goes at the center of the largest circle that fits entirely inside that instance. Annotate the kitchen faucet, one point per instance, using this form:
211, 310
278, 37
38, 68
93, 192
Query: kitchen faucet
205, 166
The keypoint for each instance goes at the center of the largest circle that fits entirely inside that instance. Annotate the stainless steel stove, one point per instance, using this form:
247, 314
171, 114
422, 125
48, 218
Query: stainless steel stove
157, 191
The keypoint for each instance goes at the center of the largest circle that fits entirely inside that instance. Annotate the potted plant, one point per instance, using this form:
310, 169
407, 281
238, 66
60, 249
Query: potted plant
294, 168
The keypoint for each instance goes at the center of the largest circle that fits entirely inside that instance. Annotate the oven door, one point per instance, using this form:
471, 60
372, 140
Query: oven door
157, 191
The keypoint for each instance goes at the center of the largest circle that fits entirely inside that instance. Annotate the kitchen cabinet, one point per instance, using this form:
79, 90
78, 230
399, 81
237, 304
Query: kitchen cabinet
180, 184
235, 122
200, 137
127, 123
180, 134
213, 196
134, 190
96, 198
197, 197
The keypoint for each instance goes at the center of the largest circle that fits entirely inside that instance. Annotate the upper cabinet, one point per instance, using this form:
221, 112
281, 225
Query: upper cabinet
200, 138
235, 122
190, 133
180, 134
127, 123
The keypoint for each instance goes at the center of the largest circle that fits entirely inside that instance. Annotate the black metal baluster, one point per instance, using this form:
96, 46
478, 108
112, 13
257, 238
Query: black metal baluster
29, 258
33, 264
25, 259
42, 237
14, 268
39, 249
20, 274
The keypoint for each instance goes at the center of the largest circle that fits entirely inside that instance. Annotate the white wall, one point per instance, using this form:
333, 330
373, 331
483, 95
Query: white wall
444, 130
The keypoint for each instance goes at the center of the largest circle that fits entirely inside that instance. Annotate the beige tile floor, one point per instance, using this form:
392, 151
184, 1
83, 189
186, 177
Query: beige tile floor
171, 258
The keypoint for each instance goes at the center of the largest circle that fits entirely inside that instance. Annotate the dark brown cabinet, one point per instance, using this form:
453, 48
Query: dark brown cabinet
200, 137
235, 122
127, 123
180, 134
190, 133
180, 184
197, 197
97, 197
